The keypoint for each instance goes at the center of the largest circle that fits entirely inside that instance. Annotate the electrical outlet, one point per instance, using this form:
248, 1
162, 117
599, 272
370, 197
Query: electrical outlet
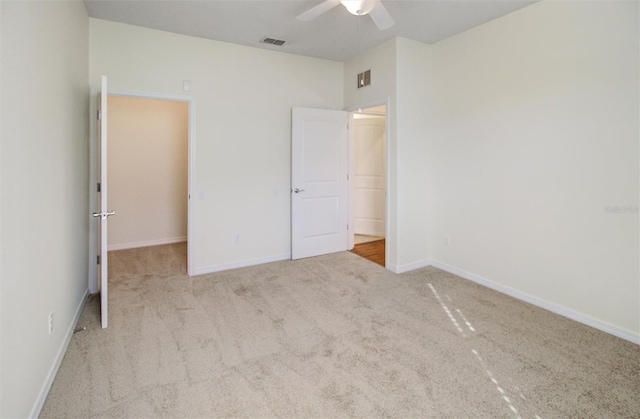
445, 240
236, 238
51, 322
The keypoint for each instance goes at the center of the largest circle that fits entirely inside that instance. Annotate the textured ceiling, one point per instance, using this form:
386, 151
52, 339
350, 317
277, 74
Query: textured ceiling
336, 35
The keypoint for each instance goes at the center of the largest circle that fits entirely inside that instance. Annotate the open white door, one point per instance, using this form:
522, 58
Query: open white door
319, 182
104, 212
369, 177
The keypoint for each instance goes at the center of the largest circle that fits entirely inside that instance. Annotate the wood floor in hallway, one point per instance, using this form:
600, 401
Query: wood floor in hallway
373, 251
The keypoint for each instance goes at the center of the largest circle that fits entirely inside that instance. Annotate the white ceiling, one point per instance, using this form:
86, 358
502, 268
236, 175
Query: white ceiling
336, 35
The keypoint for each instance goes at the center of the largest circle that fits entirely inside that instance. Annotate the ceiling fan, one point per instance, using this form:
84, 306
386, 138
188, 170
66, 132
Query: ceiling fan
373, 8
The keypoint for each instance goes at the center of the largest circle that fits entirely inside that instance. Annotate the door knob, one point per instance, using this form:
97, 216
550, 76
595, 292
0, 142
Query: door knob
296, 190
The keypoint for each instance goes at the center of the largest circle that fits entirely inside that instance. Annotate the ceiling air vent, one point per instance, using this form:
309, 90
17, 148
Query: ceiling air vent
272, 41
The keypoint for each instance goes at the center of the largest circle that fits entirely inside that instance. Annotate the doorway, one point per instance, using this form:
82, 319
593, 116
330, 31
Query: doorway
369, 185
329, 199
189, 248
147, 185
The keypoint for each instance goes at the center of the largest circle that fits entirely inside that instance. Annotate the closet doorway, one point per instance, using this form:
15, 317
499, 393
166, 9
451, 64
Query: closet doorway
148, 155
369, 189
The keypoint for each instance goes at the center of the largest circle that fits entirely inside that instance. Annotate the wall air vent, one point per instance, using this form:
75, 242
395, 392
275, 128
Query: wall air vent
364, 79
272, 41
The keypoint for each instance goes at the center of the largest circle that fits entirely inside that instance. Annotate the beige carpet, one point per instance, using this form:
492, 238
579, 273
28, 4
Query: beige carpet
332, 336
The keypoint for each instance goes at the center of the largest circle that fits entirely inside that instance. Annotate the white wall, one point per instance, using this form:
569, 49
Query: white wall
535, 136
381, 60
413, 135
44, 212
147, 184
243, 99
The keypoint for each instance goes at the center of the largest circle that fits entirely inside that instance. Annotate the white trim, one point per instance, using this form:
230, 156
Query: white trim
191, 225
149, 95
410, 267
371, 104
92, 279
241, 264
147, 243
104, 209
48, 382
554, 308
351, 156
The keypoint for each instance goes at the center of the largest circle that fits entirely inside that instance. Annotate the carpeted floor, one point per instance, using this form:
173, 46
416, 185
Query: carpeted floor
332, 336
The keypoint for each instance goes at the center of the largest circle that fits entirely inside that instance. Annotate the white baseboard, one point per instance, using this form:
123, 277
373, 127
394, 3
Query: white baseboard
147, 243
48, 382
410, 267
241, 264
554, 308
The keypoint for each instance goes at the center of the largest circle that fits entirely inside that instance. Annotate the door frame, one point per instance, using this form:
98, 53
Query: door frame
353, 110
94, 164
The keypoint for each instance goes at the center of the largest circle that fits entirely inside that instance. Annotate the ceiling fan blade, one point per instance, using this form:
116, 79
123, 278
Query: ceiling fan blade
316, 11
381, 17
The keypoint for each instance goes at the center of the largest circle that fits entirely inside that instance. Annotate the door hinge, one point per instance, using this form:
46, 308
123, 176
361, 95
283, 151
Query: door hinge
98, 260
98, 114
98, 186
347, 226
347, 176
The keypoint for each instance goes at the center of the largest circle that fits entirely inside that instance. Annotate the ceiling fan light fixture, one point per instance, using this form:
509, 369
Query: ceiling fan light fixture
359, 7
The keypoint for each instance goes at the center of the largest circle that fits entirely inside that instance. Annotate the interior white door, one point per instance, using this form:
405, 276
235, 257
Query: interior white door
104, 213
319, 182
369, 176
